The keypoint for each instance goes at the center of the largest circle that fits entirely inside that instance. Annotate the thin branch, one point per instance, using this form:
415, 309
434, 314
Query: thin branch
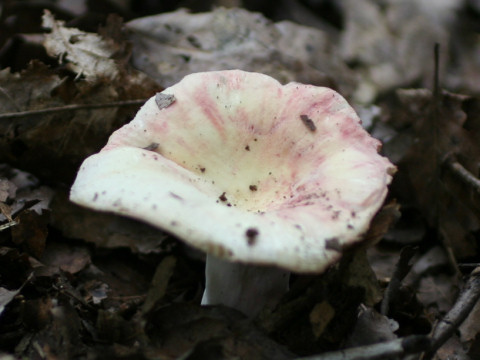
467, 178
436, 70
72, 107
468, 265
385, 350
435, 119
402, 268
457, 314
7, 225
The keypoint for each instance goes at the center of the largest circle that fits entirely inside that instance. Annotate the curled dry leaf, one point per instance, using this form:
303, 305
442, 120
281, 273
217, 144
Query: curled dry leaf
53, 145
86, 54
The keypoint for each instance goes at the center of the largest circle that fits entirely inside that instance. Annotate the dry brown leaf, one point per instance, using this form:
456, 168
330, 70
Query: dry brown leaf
445, 128
470, 328
31, 232
437, 293
371, 327
53, 145
320, 317
6, 296
106, 230
86, 54
68, 258
181, 329
171, 45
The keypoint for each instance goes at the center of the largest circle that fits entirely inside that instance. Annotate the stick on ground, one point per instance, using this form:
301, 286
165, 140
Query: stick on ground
385, 350
457, 314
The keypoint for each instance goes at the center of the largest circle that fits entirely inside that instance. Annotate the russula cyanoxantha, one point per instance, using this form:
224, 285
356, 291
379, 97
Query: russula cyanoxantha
264, 178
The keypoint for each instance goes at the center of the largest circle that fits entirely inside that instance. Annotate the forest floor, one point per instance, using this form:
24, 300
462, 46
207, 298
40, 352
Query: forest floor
79, 284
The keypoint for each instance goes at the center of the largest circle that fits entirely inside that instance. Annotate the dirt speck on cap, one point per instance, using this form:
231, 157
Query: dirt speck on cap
333, 244
223, 197
251, 235
152, 147
308, 122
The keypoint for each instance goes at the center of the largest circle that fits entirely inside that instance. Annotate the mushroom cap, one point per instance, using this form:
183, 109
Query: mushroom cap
245, 169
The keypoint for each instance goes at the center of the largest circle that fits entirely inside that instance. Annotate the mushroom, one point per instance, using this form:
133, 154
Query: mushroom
266, 179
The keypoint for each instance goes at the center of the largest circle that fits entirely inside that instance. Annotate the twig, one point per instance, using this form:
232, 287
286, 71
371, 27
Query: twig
465, 176
7, 225
402, 268
436, 69
468, 265
435, 120
385, 350
457, 314
438, 157
71, 107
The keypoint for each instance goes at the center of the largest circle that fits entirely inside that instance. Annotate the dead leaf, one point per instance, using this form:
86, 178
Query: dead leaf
6, 213
7, 190
86, 54
36, 313
444, 128
371, 327
159, 284
31, 232
113, 328
180, 43
452, 349
107, 230
6, 296
14, 262
67, 257
389, 42
360, 274
470, 328
65, 137
61, 336
320, 317
438, 293
178, 328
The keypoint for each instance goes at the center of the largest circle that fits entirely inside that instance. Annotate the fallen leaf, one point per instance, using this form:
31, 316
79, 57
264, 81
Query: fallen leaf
437, 293
371, 327
180, 329
67, 257
180, 43
446, 130
6, 296
389, 42
31, 232
159, 284
320, 317
107, 230
86, 54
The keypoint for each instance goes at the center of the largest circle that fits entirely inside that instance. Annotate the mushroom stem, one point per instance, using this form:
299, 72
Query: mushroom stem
247, 288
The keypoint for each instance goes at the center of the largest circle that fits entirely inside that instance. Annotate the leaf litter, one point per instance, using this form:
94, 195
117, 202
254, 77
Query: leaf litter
111, 287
